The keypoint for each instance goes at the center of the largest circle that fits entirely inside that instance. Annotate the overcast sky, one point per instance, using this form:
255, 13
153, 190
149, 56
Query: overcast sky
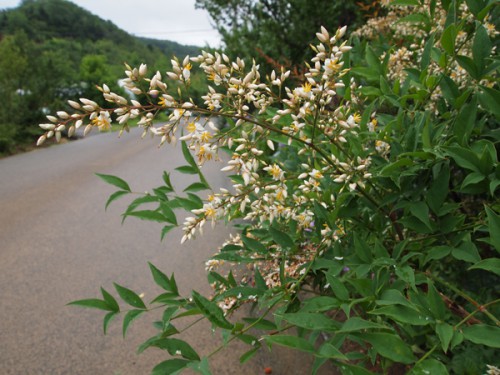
175, 20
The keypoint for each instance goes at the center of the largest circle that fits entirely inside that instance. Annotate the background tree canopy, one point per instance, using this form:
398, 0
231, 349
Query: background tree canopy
278, 29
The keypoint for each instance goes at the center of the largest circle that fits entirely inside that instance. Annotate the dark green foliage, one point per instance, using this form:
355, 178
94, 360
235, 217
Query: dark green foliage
279, 29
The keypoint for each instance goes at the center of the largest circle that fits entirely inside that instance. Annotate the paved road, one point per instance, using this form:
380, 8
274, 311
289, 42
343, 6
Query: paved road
57, 244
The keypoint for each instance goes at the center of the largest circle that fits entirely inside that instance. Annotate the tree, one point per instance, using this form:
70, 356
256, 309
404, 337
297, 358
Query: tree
278, 29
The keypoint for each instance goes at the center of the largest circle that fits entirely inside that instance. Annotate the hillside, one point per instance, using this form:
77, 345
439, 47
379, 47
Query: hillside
54, 50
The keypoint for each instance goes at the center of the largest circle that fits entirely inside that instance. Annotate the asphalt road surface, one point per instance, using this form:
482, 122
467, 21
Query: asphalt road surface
58, 244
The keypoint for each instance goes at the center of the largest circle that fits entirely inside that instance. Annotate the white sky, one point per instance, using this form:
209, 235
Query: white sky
175, 20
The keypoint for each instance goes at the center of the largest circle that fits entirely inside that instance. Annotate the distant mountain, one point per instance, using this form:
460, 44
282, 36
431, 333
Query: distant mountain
43, 20
54, 50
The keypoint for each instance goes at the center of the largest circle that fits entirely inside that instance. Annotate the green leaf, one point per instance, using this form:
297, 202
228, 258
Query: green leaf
468, 64
467, 252
248, 355
327, 350
490, 264
166, 179
254, 245
426, 54
187, 169
201, 366
211, 311
493, 227
168, 213
187, 156
107, 319
448, 39
110, 300
92, 303
465, 121
403, 314
148, 215
130, 297
362, 250
113, 180
281, 238
407, 274
421, 211
165, 230
389, 346
290, 341
483, 334
472, 179
337, 287
464, 157
435, 302
262, 324
320, 304
170, 366
197, 186
312, 321
445, 334
162, 280
429, 366
129, 318
176, 347
481, 47
357, 324
115, 196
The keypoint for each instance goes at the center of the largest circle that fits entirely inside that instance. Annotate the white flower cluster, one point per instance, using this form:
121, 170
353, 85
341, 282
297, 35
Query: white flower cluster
312, 117
403, 58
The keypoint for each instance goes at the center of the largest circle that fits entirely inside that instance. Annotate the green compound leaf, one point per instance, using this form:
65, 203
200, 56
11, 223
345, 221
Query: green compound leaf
130, 297
211, 311
483, 334
115, 181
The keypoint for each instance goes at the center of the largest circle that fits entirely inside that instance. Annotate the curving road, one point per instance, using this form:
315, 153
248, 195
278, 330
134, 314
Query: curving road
57, 244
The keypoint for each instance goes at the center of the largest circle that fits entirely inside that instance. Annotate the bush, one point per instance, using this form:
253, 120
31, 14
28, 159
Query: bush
365, 199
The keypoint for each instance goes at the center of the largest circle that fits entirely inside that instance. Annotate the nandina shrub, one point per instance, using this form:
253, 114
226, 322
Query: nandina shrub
366, 198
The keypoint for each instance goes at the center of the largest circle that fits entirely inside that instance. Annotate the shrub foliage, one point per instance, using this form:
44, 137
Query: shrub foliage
365, 200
